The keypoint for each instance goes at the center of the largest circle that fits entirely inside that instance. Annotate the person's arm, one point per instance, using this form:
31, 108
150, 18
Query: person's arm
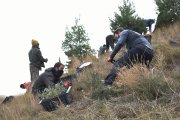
121, 41
107, 44
39, 54
48, 81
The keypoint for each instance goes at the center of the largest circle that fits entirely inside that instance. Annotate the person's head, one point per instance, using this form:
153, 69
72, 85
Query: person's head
58, 66
58, 69
22, 86
117, 32
34, 42
104, 45
152, 21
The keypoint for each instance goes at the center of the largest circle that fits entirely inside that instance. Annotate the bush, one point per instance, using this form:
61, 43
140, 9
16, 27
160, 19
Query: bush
168, 12
155, 87
127, 18
52, 92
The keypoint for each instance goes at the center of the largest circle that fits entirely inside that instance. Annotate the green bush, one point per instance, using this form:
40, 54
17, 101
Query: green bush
168, 12
127, 19
52, 92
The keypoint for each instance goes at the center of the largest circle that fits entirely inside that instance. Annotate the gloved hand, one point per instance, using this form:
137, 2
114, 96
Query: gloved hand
110, 59
46, 60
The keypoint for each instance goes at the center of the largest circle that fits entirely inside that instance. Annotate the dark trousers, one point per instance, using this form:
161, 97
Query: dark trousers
140, 54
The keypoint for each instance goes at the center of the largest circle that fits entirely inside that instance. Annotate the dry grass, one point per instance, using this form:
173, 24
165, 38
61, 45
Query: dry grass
137, 94
167, 34
1, 99
131, 76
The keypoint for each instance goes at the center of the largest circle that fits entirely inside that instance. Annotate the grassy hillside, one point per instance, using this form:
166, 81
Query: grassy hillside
138, 93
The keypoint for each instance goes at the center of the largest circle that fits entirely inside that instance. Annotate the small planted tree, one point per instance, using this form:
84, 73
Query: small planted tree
76, 42
126, 18
168, 12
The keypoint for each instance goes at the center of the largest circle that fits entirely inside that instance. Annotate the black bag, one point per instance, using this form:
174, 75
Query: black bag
66, 98
8, 99
48, 105
53, 103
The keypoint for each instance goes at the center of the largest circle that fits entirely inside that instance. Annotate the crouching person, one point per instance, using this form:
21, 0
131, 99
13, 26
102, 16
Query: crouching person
48, 79
139, 51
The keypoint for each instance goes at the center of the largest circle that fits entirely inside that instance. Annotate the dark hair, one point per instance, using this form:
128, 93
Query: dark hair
22, 86
58, 64
120, 29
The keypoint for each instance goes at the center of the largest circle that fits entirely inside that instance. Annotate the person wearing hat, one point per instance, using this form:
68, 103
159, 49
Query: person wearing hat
48, 79
25, 85
36, 60
139, 50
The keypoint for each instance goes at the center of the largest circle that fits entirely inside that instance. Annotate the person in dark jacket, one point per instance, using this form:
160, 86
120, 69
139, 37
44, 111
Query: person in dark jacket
149, 22
36, 60
139, 50
102, 50
110, 40
49, 78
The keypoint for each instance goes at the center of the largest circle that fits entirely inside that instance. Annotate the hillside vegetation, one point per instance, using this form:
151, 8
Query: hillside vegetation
138, 93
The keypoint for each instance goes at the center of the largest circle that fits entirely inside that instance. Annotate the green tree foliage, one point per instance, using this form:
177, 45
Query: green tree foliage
169, 12
127, 18
76, 42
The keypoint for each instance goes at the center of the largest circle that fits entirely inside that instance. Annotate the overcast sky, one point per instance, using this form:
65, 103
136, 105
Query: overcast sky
46, 20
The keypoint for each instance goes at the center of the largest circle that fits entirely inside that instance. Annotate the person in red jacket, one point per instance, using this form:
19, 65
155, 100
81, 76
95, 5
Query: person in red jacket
25, 85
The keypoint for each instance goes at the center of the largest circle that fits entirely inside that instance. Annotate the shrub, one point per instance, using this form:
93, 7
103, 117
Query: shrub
155, 87
52, 92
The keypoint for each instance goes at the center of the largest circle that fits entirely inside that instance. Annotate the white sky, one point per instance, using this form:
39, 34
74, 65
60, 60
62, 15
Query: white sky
46, 20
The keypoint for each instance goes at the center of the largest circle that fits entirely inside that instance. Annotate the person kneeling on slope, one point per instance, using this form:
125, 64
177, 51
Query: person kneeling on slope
48, 79
139, 50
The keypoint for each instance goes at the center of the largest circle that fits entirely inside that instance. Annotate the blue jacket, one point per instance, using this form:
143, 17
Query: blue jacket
131, 39
149, 22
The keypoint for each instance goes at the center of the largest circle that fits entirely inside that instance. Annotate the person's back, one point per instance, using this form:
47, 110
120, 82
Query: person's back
132, 39
110, 40
45, 79
149, 22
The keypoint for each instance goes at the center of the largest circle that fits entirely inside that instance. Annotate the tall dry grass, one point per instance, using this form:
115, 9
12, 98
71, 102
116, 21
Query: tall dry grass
137, 93
167, 34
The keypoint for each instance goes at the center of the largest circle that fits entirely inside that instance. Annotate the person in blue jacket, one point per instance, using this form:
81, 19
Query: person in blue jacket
149, 22
139, 50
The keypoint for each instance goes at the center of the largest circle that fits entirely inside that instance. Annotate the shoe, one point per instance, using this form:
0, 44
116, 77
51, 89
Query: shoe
67, 106
107, 87
106, 92
103, 81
